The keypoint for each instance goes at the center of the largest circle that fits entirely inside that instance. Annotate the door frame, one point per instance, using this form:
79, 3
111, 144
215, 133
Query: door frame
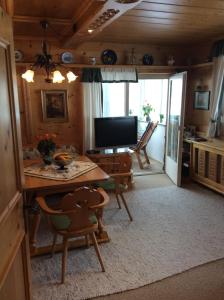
181, 125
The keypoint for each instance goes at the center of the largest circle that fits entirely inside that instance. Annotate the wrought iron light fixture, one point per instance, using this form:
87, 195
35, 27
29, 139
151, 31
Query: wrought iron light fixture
45, 61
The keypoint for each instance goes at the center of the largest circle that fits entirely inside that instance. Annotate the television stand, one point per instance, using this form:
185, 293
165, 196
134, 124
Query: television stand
109, 156
114, 150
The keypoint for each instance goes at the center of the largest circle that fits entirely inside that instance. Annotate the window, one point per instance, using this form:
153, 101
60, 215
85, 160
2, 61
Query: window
121, 99
114, 100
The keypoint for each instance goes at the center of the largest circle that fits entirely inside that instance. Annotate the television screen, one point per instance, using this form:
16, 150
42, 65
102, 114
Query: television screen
115, 132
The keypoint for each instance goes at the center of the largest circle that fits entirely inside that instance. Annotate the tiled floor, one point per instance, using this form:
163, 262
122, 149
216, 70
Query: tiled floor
155, 167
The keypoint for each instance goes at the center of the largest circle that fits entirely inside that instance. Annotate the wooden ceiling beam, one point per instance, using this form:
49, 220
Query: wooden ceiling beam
30, 19
34, 38
98, 16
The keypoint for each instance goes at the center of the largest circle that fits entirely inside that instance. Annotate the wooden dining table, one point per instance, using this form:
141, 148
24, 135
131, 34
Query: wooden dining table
35, 186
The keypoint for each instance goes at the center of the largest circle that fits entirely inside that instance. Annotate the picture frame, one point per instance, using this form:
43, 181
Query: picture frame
54, 105
202, 100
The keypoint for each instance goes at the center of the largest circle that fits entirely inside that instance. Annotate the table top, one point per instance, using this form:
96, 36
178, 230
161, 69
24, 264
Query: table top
48, 185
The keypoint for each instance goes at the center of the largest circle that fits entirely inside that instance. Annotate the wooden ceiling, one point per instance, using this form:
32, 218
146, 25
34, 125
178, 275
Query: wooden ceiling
170, 22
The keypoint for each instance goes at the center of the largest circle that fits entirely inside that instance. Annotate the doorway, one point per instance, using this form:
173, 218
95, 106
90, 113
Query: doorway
130, 99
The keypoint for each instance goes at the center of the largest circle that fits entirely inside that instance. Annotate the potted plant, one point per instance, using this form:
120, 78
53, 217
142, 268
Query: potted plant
147, 109
161, 117
46, 146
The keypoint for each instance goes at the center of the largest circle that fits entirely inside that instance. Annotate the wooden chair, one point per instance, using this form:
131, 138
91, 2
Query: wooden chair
142, 143
79, 215
118, 166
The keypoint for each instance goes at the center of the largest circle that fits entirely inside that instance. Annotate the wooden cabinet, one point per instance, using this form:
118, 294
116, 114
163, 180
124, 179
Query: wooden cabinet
207, 166
120, 162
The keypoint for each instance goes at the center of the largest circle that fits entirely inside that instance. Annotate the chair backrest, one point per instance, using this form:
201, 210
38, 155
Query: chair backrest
76, 209
146, 135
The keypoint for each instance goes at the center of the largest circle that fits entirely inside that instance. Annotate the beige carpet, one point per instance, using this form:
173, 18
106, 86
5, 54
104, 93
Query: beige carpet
174, 230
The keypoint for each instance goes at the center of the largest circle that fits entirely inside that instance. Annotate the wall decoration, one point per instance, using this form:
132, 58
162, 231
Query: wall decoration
54, 105
201, 100
18, 55
67, 58
147, 59
108, 57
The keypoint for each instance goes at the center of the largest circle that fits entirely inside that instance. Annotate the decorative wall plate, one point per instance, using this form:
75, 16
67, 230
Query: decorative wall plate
67, 57
18, 55
147, 59
109, 57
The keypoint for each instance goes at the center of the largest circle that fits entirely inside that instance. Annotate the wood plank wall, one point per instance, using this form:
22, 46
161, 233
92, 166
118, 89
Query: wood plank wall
32, 124
72, 132
198, 79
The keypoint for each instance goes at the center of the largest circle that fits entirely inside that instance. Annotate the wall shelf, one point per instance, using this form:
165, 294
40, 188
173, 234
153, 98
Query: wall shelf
142, 67
207, 64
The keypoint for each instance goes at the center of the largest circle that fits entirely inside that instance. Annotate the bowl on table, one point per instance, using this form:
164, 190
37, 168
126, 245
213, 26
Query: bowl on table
62, 159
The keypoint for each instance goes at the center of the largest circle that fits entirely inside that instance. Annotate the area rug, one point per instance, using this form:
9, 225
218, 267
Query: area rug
174, 229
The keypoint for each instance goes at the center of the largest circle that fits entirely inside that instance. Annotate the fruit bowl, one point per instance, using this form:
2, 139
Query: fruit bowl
62, 159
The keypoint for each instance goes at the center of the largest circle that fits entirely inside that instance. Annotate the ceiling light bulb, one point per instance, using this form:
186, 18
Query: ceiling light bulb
71, 76
90, 30
57, 77
28, 75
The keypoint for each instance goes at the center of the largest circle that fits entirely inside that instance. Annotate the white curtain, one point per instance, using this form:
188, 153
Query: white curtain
119, 74
92, 109
217, 95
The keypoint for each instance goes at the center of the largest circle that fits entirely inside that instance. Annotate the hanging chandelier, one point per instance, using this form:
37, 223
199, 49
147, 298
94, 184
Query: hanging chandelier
45, 61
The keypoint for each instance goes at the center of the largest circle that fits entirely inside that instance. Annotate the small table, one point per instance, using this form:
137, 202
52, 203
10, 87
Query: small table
35, 186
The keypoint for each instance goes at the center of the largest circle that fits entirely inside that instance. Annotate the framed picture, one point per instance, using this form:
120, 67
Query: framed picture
54, 105
201, 100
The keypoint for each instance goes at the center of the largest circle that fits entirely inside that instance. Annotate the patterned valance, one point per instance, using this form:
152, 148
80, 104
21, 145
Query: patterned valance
109, 74
91, 75
119, 74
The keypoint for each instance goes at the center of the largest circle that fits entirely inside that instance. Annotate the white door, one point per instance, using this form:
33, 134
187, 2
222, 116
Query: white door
175, 126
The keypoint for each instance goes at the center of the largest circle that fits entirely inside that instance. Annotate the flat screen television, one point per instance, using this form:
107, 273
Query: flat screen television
115, 132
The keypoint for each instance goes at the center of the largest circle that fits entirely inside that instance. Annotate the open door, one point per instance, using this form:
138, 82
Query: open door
175, 126
14, 256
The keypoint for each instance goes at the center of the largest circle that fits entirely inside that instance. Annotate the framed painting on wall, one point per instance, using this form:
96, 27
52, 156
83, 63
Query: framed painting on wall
54, 105
201, 100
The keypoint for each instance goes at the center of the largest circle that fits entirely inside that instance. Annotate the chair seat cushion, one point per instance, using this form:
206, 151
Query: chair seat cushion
60, 222
110, 185
63, 222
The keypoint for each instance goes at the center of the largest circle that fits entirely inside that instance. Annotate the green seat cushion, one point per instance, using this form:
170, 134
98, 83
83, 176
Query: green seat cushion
93, 219
63, 222
110, 185
60, 222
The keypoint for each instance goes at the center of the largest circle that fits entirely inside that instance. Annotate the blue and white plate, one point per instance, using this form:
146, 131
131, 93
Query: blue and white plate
18, 55
67, 58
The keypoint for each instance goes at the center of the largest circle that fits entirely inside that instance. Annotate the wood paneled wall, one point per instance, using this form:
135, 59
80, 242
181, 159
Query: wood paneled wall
198, 79
72, 131
32, 124
95, 49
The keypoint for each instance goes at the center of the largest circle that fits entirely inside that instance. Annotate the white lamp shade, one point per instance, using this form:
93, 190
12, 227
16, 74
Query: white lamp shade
57, 77
71, 76
28, 75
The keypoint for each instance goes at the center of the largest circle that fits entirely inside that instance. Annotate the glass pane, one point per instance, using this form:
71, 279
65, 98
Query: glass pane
174, 118
148, 91
113, 99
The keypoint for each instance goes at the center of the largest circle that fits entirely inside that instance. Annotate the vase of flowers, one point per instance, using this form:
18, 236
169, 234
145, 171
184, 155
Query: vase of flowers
147, 109
46, 146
